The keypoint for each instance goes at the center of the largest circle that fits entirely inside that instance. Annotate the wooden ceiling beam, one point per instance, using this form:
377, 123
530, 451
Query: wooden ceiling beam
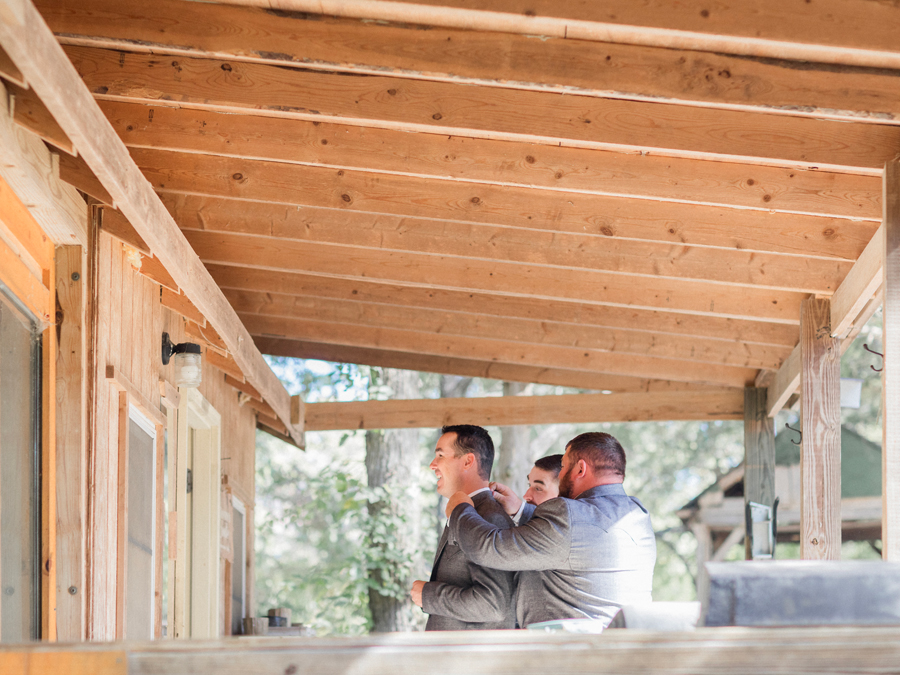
498, 277
831, 31
484, 349
476, 57
448, 365
572, 252
198, 187
473, 160
34, 50
440, 321
28, 167
371, 292
722, 404
480, 112
853, 304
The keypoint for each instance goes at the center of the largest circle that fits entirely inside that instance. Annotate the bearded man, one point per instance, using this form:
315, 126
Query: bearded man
583, 555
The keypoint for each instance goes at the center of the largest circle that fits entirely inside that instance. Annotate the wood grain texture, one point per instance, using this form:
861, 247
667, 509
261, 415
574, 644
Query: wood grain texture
17, 224
28, 169
76, 172
42, 61
313, 198
759, 452
704, 651
820, 458
116, 225
726, 404
49, 350
462, 110
487, 349
768, 29
71, 444
500, 278
890, 377
178, 302
858, 287
540, 245
30, 112
377, 293
450, 365
476, 160
480, 57
437, 321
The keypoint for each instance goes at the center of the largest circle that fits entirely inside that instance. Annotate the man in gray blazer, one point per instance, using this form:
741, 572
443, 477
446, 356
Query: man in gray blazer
582, 555
462, 595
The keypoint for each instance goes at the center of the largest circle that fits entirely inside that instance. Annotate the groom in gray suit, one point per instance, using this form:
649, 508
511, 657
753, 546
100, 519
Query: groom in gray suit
582, 555
462, 595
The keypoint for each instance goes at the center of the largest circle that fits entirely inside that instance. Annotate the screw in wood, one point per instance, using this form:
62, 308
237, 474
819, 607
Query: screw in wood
73, 590
75, 276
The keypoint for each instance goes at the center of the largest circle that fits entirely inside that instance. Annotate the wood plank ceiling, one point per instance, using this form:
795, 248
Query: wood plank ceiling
641, 214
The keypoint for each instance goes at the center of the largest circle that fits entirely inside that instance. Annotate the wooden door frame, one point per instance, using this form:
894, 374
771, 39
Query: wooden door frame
195, 413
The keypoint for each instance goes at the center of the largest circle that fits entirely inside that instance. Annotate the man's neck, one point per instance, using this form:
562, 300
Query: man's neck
471, 486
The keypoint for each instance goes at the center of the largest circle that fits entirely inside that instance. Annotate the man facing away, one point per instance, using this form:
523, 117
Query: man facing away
462, 595
582, 555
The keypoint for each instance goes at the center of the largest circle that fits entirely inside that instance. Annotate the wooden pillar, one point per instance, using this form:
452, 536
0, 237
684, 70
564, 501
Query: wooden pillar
820, 457
890, 377
71, 445
759, 452
704, 554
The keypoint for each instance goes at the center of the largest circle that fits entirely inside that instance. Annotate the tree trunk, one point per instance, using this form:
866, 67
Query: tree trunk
513, 460
392, 461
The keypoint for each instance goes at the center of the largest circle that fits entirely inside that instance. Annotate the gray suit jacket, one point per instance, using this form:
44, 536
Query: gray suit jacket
464, 596
580, 558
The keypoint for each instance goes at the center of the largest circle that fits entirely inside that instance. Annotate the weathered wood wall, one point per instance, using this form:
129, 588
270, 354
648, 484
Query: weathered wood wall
129, 320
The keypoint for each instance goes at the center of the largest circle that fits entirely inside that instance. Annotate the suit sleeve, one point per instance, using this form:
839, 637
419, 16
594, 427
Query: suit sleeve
487, 599
543, 543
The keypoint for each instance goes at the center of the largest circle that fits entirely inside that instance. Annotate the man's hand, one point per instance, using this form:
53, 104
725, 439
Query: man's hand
508, 499
455, 500
416, 592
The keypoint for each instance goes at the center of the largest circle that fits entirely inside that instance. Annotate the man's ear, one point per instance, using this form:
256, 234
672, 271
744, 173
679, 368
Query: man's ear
469, 461
582, 468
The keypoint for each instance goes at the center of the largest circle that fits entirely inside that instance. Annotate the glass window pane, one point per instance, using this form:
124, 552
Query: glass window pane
140, 573
19, 489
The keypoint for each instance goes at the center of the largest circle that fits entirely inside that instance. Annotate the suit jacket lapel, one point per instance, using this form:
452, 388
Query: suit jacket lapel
440, 550
442, 544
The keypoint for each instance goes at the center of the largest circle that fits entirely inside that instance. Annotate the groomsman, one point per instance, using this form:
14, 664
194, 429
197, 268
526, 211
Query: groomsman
582, 555
462, 595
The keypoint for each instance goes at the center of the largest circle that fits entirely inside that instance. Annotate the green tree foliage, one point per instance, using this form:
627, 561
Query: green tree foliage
317, 546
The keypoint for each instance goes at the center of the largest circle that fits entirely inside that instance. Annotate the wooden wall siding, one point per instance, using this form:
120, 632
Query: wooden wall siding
130, 320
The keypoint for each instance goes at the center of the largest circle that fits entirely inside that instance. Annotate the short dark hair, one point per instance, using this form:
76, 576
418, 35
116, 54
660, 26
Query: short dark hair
602, 452
551, 463
470, 438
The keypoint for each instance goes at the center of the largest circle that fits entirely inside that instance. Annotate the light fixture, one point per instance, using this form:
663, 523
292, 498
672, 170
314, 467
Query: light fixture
188, 372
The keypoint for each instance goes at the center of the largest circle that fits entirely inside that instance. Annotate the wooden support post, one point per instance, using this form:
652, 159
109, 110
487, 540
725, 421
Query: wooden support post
71, 445
704, 553
759, 452
820, 458
890, 377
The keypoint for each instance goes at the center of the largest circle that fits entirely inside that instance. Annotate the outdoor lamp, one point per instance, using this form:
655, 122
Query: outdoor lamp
188, 372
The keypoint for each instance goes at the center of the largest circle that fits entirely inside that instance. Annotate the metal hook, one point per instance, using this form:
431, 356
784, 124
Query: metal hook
798, 431
877, 370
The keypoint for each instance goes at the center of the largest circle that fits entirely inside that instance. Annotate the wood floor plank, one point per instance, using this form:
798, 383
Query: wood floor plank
462, 110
